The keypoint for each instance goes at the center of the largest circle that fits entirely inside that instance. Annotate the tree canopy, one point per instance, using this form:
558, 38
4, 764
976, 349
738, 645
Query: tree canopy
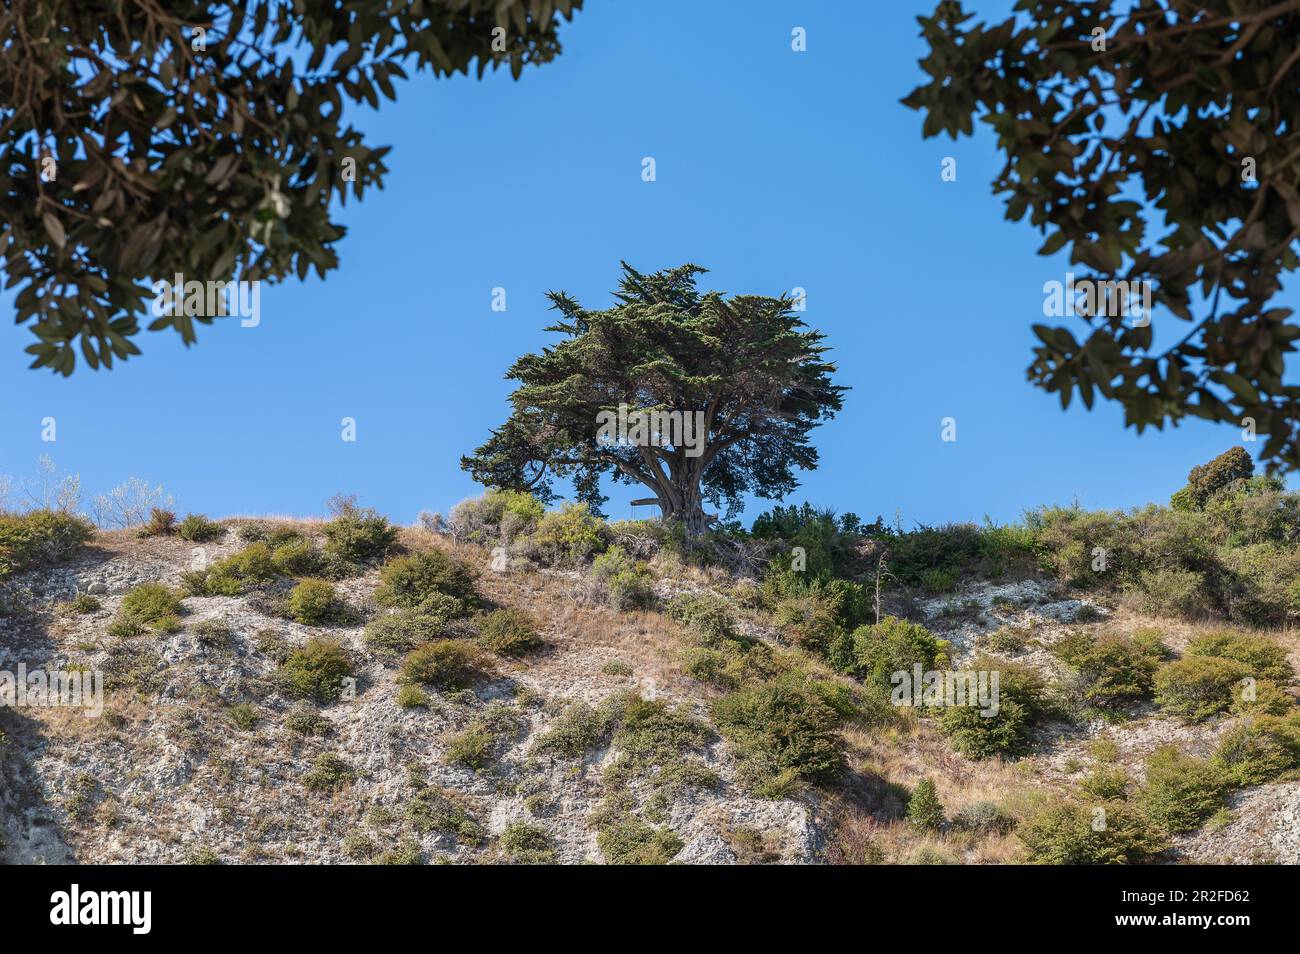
1158, 141
143, 140
746, 368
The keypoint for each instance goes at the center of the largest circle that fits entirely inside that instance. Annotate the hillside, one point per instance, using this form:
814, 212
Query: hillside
510, 686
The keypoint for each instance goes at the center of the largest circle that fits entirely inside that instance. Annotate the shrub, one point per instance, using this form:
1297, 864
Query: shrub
315, 602
1169, 591
1113, 669
83, 604
306, 721
412, 697
471, 748
409, 581
1206, 480
297, 558
894, 645
162, 523
1180, 791
923, 809
152, 605
1066, 833
40, 538
403, 630
212, 633
784, 731
526, 844
435, 810
708, 617
623, 583
1259, 749
444, 664
329, 773
1262, 656
629, 841
316, 670
581, 728
1022, 702
357, 535
197, 528
242, 716
498, 515
1106, 784
509, 632
1197, 687
568, 536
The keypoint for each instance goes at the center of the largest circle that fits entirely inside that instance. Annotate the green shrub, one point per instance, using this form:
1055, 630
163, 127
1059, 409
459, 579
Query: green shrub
162, 523
358, 535
622, 582
403, 630
581, 728
83, 604
630, 841
412, 697
329, 773
316, 670
654, 737
445, 664
509, 632
1206, 480
983, 818
40, 538
151, 605
1022, 702
784, 732
1260, 749
298, 558
471, 748
526, 844
1066, 833
212, 633
306, 721
1106, 783
1197, 687
242, 715
1264, 658
197, 528
1180, 791
568, 536
499, 515
894, 645
435, 810
314, 602
1113, 669
1264, 697
409, 581
708, 617
923, 809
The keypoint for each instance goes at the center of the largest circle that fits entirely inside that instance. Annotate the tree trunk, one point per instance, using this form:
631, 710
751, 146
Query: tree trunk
686, 505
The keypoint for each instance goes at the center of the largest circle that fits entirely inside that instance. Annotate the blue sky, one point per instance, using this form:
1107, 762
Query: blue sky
775, 169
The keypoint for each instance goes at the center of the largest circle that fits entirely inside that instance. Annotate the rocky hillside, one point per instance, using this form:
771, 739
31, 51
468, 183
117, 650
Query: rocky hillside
271, 701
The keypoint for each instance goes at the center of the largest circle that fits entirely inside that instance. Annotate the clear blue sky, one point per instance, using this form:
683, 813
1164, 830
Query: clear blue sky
776, 169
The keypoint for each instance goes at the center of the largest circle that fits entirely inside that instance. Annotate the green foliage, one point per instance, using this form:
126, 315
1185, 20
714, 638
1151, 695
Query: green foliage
242, 716
357, 535
316, 670
569, 536
219, 184
475, 747
894, 645
1022, 703
983, 818
509, 632
83, 604
329, 773
1066, 833
582, 728
197, 528
630, 841
412, 697
499, 516
923, 809
707, 617
1264, 658
748, 363
315, 602
1180, 791
445, 664
40, 538
298, 558
408, 582
150, 605
403, 630
1202, 228
785, 732
433, 809
526, 844
1106, 783
829, 541
1112, 668
306, 721
625, 583
1206, 480
1260, 749
1197, 687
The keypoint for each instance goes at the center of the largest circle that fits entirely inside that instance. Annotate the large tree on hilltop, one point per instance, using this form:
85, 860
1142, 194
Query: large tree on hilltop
144, 138
751, 369
1158, 141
